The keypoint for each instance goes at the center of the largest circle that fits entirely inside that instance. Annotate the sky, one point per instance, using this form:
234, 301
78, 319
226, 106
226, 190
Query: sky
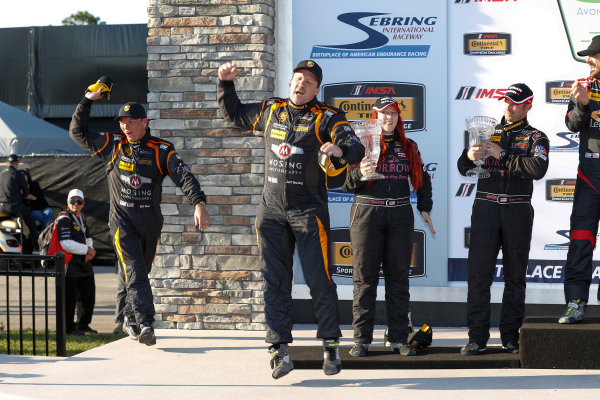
19, 13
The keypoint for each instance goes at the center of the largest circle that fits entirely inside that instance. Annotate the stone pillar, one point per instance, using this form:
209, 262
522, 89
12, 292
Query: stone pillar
211, 279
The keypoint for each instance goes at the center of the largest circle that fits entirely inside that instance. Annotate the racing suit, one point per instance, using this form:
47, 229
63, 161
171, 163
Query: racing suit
293, 208
74, 237
135, 173
502, 217
381, 232
584, 119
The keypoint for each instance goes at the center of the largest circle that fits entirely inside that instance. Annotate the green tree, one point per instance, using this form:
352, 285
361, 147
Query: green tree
82, 18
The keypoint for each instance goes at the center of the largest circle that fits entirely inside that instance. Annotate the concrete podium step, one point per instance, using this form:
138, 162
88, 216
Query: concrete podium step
311, 357
547, 344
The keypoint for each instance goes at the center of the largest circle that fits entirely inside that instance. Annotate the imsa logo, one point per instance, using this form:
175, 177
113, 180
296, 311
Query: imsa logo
558, 92
472, 92
465, 189
340, 254
487, 44
356, 99
560, 189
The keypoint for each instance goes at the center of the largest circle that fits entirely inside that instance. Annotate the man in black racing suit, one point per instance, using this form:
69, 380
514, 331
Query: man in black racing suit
503, 218
136, 164
583, 116
293, 210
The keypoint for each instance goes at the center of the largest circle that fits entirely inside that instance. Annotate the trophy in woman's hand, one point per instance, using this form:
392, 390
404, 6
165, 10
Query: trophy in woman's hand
369, 133
480, 128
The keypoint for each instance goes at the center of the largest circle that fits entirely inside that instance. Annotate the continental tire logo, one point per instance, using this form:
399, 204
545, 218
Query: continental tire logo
560, 189
558, 92
340, 254
487, 44
356, 99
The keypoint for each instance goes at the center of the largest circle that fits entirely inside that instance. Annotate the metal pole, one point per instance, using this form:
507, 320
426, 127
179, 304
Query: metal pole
33, 308
7, 307
21, 307
61, 348
46, 306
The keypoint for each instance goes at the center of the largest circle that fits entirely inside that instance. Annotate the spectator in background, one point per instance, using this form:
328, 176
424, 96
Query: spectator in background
13, 189
39, 207
75, 238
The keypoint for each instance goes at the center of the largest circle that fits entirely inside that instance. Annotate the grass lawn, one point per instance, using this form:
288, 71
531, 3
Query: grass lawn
75, 344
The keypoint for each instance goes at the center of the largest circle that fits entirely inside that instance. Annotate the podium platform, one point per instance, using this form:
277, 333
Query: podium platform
547, 344
311, 357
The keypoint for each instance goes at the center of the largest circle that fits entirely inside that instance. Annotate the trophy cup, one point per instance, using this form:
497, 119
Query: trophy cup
480, 128
369, 133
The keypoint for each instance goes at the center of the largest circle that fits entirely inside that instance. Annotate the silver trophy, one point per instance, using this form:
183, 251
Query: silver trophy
480, 128
369, 133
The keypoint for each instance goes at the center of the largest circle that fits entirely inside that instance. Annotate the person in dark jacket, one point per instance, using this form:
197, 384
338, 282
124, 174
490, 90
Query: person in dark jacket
502, 217
40, 209
136, 165
293, 209
74, 237
381, 229
13, 190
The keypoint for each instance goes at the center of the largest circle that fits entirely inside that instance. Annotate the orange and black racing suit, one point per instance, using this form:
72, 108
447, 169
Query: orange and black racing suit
584, 119
293, 209
135, 173
502, 217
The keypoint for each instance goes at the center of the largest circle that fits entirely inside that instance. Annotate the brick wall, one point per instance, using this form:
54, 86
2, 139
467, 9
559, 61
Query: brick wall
209, 280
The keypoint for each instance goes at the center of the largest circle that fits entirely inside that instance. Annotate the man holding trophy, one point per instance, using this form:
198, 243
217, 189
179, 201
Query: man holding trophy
514, 155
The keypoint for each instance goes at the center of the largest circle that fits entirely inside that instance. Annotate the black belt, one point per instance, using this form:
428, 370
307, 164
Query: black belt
370, 201
503, 198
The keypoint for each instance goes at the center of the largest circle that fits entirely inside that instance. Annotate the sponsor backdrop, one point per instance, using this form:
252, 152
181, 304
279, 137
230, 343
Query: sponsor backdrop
367, 52
445, 61
492, 44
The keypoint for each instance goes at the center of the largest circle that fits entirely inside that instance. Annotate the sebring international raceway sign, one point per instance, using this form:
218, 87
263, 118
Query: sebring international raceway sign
386, 34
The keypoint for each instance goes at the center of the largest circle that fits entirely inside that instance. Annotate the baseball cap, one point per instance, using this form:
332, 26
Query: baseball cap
13, 158
518, 93
132, 110
383, 102
311, 66
593, 48
75, 193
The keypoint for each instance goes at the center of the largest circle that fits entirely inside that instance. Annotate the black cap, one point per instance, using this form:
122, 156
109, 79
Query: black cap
13, 158
311, 66
383, 102
132, 110
593, 48
518, 93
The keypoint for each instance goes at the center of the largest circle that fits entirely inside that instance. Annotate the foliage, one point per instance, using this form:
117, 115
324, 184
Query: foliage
82, 18
75, 344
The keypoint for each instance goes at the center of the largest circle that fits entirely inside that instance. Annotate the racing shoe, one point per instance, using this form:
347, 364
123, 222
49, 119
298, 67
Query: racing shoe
332, 364
574, 313
146, 335
472, 349
511, 347
359, 350
281, 364
402, 348
131, 328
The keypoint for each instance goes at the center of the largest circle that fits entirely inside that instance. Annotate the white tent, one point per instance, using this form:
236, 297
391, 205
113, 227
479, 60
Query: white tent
21, 133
